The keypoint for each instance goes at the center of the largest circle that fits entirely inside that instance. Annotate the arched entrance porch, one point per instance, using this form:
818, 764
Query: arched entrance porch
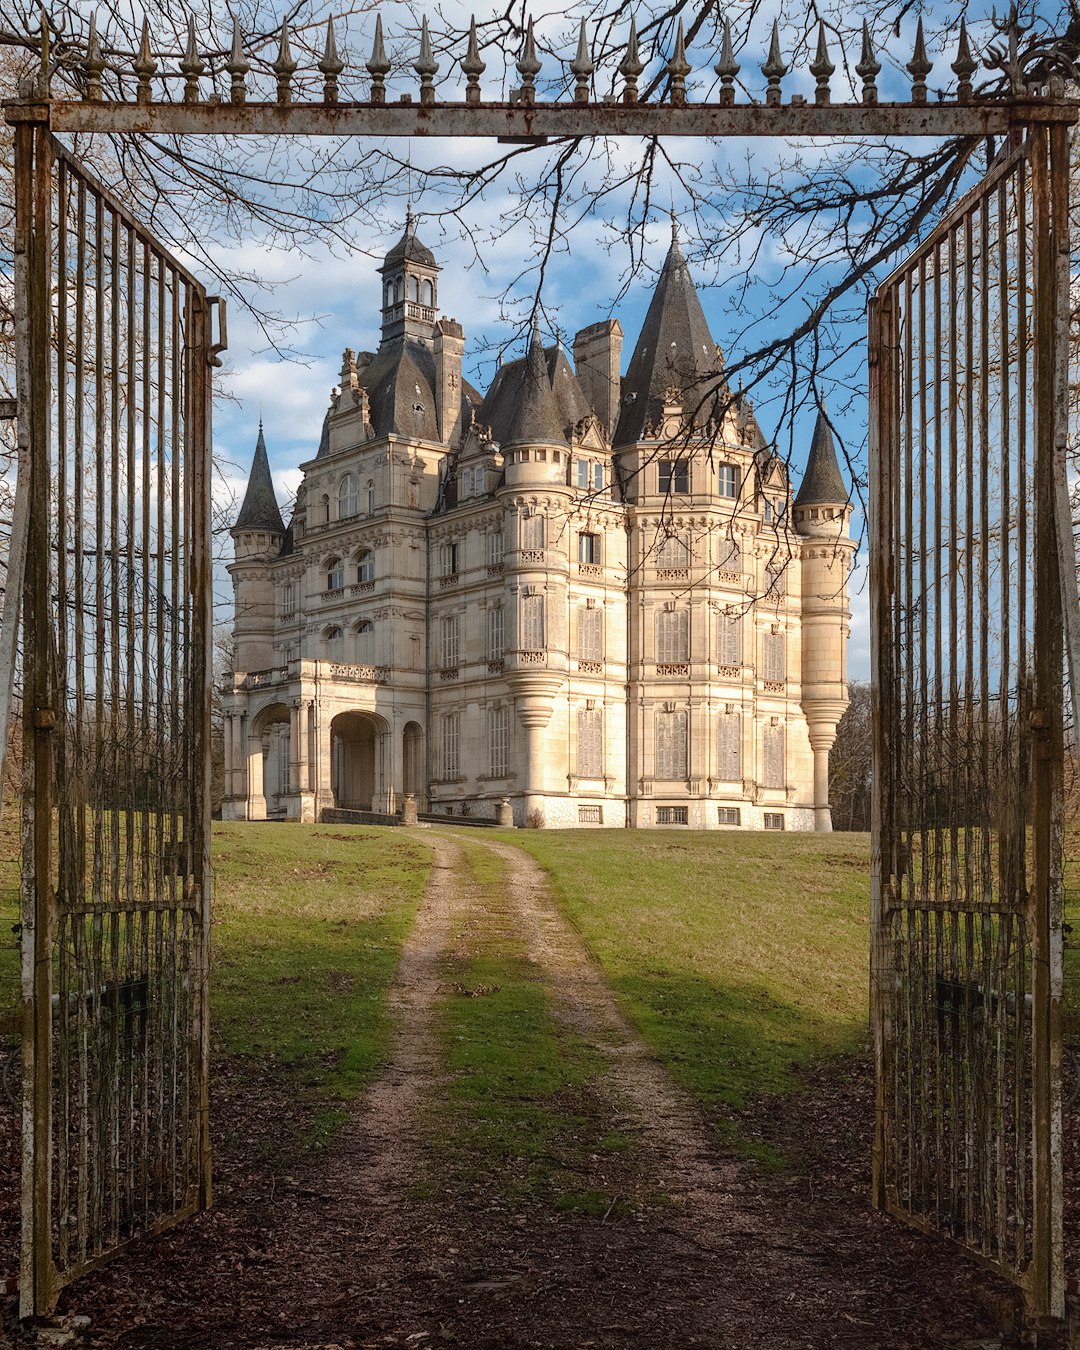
358, 762
269, 763
412, 763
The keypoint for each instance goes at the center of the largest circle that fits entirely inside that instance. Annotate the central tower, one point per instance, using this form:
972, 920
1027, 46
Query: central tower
410, 287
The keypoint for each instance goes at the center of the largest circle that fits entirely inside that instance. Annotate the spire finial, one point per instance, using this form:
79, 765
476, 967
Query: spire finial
774, 69
144, 66
869, 67
237, 66
284, 65
472, 65
678, 68
528, 65
95, 61
582, 66
192, 65
331, 65
631, 66
965, 64
919, 66
727, 68
425, 65
821, 67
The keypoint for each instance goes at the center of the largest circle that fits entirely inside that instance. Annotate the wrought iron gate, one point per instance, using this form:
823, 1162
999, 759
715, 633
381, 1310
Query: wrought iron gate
114, 406
967, 343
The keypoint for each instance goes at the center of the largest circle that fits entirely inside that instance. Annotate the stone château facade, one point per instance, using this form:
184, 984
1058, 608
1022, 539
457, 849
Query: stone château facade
585, 598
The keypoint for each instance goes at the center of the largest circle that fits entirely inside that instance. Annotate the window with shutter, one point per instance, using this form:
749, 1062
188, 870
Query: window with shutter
728, 747
495, 633
532, 531
495, 548
365, 642
671, 749
499, 741
672, 637
590, 634
775, 660
674, 552
532, 623
590, 743
450, 758
729, 640
773, 768
450, 641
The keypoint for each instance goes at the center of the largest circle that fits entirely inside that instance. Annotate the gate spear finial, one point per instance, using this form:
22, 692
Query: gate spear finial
95, 62
284, 66
678, 68
965, 65
192, 65
920, 66
528, 64
426, 66
631, 66
821, 67
727, 68
331, 65
144, 66
378, 66
472, 65
869, 67
582, 66
774, 69
237, 66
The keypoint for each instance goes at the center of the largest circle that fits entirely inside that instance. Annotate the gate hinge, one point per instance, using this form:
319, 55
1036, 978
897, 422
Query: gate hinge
213, 353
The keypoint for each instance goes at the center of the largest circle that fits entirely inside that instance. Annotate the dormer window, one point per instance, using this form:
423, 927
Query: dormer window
673, 477
727, 480
348, 501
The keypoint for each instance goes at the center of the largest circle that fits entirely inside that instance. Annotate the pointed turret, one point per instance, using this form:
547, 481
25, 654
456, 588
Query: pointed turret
821, 512
259, 510
536, 420
410, 287
675, 350
822, 483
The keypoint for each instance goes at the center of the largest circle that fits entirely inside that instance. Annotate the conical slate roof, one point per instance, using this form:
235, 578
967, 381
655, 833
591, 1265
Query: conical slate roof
822, 483
501, 402
675, 349
259, 509
536, 419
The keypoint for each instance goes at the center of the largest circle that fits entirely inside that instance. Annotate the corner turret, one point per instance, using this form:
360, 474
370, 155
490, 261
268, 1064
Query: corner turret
822, 514
258, 535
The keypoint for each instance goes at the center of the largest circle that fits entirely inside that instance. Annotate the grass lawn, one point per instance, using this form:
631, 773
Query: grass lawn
736, 955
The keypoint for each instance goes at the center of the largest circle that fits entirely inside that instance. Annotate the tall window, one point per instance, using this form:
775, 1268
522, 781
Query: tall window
672, 637
496, 631
451, 764
671, 755
499, 741
347, 499
370, 493
590, 634
449, 641
335, 574
729, 747
727, 480
775, 659
335, 641
729, 640
448, 559
674, 552
772, 759
532, 531
673, 476
590, 752
588, 548
729, 556
532, 623
466, 488
583, 467
288, 599
427, 292
365, 567
776, 579
495, 548
365, 642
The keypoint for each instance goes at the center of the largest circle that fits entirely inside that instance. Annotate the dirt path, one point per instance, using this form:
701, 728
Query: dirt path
360, 1251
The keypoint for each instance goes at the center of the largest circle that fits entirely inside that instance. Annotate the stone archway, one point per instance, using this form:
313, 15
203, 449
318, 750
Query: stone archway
357, 761
269, 763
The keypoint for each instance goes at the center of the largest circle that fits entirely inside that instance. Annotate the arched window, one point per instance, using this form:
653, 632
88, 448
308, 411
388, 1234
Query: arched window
365, 567
388, 294
399, 290
335, 639
413, 289
365, 642
348, 503
335, 574
427, 292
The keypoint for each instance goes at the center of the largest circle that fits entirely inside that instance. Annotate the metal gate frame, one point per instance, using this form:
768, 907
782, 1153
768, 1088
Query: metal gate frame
1034, 104
55, 888
937, 1113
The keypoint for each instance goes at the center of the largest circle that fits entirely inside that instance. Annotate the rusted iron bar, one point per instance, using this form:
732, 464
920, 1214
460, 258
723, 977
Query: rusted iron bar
521, 120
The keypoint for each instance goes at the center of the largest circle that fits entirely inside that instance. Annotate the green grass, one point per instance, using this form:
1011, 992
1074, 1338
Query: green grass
519, 1113
308, 927
736, 955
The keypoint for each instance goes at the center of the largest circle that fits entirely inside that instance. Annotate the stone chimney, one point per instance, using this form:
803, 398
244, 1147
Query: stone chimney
449, 346
597, 350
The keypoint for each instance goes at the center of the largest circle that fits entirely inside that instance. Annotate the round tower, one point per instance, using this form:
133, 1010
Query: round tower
257, 538
822, 515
